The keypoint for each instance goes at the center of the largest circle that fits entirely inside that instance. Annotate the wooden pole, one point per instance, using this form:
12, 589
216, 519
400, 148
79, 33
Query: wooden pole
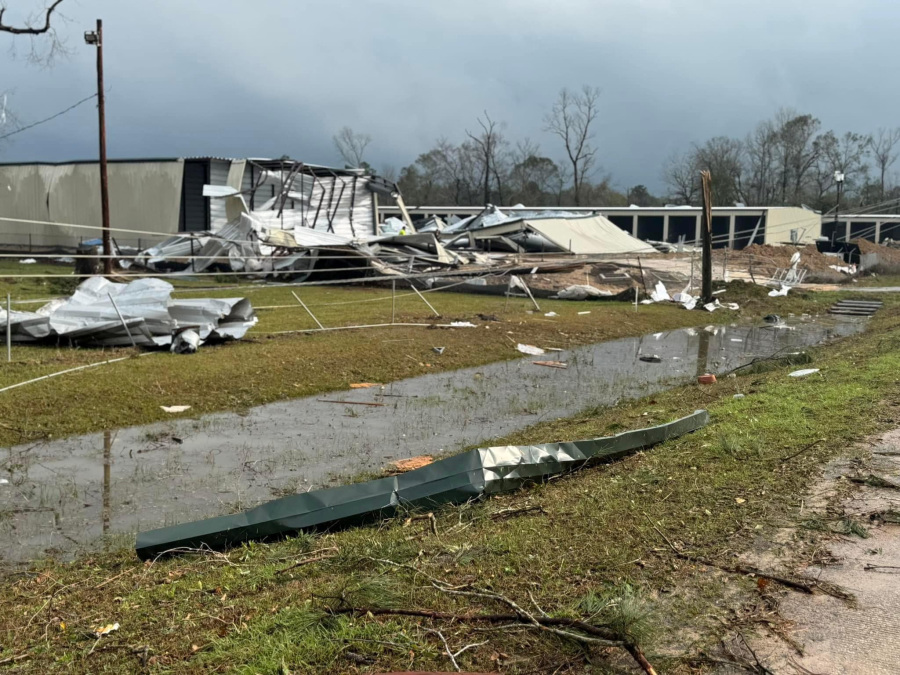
706, 230
104, 180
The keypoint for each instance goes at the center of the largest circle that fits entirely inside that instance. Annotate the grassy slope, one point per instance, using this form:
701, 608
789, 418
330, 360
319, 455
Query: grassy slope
266, 368
716, 492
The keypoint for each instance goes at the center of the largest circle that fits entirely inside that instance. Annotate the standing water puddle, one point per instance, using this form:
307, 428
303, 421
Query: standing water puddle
67, 495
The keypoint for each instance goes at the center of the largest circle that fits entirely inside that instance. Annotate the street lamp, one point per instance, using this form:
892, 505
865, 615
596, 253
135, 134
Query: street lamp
839, 180
95, 39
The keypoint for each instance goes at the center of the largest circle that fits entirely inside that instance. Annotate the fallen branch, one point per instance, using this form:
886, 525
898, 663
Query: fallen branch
13, 659
374, 405
800, 452
503, 514
802, 585
876, 568
326, 553
588, 633
429, 517
874, 481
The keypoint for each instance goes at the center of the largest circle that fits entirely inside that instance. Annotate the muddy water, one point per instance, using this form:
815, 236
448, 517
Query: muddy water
79, 493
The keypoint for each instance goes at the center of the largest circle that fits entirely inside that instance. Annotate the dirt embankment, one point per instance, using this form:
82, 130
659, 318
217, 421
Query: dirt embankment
886, 254
774, 257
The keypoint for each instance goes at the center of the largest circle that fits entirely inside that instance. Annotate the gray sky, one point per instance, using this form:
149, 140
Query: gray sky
273, 77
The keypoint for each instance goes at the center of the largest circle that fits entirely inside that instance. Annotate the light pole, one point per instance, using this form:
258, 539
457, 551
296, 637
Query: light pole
95, 38
839, 179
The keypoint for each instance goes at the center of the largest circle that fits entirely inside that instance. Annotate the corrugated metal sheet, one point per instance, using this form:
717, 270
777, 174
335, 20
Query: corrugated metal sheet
143, 196
343, 205
218, 175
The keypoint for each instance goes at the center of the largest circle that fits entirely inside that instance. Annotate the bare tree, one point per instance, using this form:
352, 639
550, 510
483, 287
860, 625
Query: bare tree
682, 175
760, 183
723, 158
488, 145
883, 145
846, 154
534, 178
39, 27
352, 146
571, 119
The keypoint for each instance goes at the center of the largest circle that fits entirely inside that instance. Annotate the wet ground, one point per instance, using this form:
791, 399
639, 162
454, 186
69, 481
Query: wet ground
79, 493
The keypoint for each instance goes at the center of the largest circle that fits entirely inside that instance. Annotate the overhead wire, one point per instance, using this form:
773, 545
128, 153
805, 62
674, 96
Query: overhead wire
47, 119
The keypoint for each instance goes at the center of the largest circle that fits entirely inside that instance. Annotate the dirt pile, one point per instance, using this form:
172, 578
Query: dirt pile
886, 254
773, 257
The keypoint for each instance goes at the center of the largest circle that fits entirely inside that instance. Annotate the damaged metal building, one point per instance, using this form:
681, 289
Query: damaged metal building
40, 200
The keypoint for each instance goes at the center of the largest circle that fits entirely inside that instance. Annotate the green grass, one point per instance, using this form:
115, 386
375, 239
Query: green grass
265, 368
596, 550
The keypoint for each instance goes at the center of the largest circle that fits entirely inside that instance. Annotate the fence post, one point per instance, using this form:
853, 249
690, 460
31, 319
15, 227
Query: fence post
8, 328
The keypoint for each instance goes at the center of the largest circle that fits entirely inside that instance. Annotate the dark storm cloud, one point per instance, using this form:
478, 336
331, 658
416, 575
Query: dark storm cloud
275, 77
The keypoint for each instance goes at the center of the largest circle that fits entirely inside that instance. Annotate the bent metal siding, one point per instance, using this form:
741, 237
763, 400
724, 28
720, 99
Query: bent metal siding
454, 480
142, 196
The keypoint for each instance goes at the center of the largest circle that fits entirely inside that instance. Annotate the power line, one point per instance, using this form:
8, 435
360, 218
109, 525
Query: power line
52, 117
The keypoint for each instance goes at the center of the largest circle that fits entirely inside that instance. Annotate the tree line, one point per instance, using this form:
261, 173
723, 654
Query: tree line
488, 167
788, 160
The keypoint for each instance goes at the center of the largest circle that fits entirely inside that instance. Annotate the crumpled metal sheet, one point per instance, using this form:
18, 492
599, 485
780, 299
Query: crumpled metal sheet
25, 326
152, 317
453, 480
89, 312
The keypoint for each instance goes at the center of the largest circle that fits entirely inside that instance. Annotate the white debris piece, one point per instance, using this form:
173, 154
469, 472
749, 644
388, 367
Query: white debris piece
530, 350
27, 261
551, 314
581, 293
462, 324
186, 342
804, 373
175, 408
779, 292
686, 300
660, 293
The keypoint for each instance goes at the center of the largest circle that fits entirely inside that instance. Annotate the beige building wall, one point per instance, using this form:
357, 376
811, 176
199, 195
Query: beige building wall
143, 196
781, 220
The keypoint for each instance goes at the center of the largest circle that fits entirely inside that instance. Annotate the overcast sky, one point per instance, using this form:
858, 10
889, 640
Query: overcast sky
272, 77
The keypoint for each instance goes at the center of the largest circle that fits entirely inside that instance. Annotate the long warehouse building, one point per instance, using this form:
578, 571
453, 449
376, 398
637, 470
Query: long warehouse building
47, 205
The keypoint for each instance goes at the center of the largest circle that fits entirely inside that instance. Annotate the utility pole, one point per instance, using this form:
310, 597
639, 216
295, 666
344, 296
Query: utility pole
96, 39
706, 229
839, 179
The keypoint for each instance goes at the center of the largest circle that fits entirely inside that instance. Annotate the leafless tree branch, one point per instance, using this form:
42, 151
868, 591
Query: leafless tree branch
29, 28
352, 146
40, 28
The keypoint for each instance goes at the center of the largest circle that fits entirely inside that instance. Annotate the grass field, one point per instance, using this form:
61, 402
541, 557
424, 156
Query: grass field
591, 545
267, 367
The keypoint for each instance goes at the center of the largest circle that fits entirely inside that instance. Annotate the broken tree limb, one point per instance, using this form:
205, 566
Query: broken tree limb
802, 585
874, 481
512, 513
307, 561
801, 451
374, 405
588, 633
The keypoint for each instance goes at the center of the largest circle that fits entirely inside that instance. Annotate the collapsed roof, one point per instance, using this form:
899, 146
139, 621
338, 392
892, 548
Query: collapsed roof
555, 232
